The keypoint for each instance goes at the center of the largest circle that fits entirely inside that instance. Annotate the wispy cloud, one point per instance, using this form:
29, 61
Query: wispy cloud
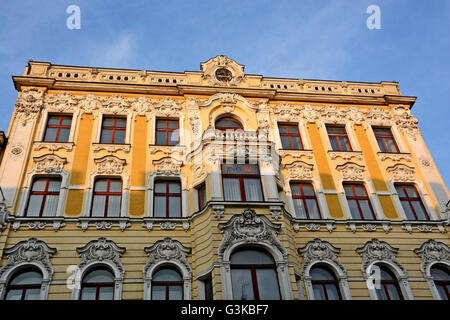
119, 52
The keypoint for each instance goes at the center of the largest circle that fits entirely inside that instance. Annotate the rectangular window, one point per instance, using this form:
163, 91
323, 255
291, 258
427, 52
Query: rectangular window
167, 132
107, 198
201, 196
411, 202
359, 202
385, 140
44, 197
167, 199
305, 201
290, 136
58, 128
338, 138
241, 182
208, 288
113, 130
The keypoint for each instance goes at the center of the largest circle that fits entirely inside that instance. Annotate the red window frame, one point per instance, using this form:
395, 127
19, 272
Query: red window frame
23, 287
113, 128
359, 198
201, 189
303, 197
241, 178
228, 128
384, 137
323, 283
336, 136
58, 126
167, 195
394, 281
409, 200
253, 268
107, 193
290, 135
97, 286
44, 193
166, 130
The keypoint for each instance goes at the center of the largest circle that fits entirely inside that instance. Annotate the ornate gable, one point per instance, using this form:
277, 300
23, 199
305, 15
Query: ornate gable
351, 171
318, 250
401, 173
432, 251
109, 165
49, 163
222, 71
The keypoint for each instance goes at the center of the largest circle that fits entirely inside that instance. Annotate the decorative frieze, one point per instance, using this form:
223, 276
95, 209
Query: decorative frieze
89, 103
295, 153
166, 108
351, 171
115, 104
29, 103
167, 166
299, 170
346, 155
313, 225
103, 223
401, 173
406, 121
369, 226
111, 147
53, 146
394, 156
141, 106
49, 163
62, 102
38, 223
109, 165
150, 223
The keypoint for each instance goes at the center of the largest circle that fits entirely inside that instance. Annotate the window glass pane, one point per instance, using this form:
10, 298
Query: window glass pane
54, 185
296, 144
28, 277
392, 147
249, 256
166, 274
66, 121
348, 190
319, 273
106, 136
98, 206
88, 293
99, 276
34, 205
282, 128
174, 187
295, 189
318, 292
108, 122
400, 191
385, 275
308, 189
411, 192
231, 189
114, 206
360, 190
313, 210
408, 211
252, 190
285, 142
101, 185
241, 281
119, 136
53, 120
209, 295
299, 209
173, 138
115, 186
39, 185
366, 209
439, 274
393, 292
354, 209
336, 130
51, 204
332, 292
63, 135
381, 145
202, 195
420, 211
334, 144
173, 124
160, 187
345, 144
33, 294
158, 292
174, 206
121, 123
175, 293
381, 294
382, 131
160, 206
228, 123
293, 129
15, 294
106, 293
50, 134
160, 124
161, 138
267, 284
442, 292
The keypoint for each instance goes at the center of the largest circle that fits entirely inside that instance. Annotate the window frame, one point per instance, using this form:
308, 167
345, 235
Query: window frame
113, 128
409, 200
289, 135
357, 199
24, 287
44, 193
201, 195
345, 134
107, 194
59, 126
166, 130
221, 128
384, 137
303, 197
394, 281
441, 283
168, 284
97, 285
168, 195
323, 283
241, 178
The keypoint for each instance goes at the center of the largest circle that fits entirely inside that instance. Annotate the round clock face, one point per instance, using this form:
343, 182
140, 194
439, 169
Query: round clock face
224, 75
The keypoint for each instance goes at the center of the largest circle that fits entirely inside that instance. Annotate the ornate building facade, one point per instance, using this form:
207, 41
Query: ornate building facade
216, 184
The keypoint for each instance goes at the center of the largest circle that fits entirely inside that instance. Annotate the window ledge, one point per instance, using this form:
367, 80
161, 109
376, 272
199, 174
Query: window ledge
53, 146
166, 223
111, 147
37, 223
346, 155
396, 156
103, 223
154, 148
296, 153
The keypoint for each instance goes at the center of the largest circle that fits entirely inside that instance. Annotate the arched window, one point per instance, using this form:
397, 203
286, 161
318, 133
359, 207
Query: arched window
98, 284
228, 123
324, 283
441, 278
167, 284
107, 198
389, 287
167, 198
25, 285
44, 197
254, 276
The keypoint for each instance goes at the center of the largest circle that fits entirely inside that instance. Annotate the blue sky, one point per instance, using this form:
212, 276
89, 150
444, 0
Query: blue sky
307, 39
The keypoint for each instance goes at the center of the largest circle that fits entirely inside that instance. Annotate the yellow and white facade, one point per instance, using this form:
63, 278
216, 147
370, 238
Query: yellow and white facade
200, 241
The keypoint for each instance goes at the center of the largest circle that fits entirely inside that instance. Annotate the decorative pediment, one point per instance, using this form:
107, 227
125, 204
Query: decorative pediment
89, 103
375, 251
249, 228
49, 163
167, 166
101, 250
299, 170
401, 173
109, 165
432, 251
167, 250
31, 250
29, 103
351, 171
320, 251
61, 102
222, 71
115, 104
166, 108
